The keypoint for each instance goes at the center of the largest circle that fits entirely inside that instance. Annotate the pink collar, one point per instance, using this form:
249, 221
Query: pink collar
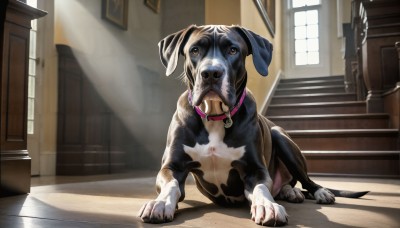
227, 115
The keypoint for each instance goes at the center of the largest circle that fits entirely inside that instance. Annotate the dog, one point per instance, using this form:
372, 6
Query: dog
235, 155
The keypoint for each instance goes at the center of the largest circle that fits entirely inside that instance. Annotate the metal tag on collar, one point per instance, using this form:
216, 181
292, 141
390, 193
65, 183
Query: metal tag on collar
228, 121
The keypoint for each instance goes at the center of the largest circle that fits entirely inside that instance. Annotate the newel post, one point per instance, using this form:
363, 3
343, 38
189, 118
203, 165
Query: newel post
380, 31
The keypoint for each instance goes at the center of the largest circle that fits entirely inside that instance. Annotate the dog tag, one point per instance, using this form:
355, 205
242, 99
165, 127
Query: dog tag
228, 121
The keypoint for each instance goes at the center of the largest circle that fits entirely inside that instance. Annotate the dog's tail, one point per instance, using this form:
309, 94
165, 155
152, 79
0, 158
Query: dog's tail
339, 193
347, 194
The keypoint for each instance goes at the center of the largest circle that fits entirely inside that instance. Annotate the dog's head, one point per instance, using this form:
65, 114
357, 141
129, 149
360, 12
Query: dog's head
215, 60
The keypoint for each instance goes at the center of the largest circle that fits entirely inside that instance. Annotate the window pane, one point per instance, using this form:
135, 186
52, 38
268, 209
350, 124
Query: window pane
300, 32
300, 18
301, 3
34, 25
312, 45
301, 58
298, 3
31, 87
312, 31
32, 67
31, 108
312, 17
312, 2
313, 58
32, 3
30, 127
300, 45
32, 45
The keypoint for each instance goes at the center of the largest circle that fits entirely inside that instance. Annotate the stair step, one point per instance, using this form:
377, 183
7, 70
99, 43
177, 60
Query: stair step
337, 121
354, 163
347, 107
323, 78
346, 139
311, 89
306, 83
317, 97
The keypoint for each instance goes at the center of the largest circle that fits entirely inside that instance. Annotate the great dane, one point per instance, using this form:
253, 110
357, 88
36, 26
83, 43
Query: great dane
235, 154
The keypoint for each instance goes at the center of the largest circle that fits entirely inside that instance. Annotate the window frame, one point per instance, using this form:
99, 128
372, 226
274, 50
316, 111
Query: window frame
312, 70
32, 72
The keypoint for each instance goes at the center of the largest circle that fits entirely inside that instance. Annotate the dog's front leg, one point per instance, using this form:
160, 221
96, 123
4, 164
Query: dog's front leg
264, 210
162, 209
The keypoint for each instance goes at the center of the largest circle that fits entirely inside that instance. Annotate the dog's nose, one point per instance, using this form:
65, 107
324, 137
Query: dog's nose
212, 72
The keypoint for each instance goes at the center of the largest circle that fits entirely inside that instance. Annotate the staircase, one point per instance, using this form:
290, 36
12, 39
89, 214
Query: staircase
335, 133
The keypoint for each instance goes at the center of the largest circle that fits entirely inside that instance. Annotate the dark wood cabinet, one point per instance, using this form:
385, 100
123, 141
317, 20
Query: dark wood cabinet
90, 136
15, 166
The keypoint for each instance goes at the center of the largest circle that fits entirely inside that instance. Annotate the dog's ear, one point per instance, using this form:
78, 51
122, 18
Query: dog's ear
171, 46
259, 47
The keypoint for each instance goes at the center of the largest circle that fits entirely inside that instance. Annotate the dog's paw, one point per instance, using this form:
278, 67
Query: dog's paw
324, 196
290, 194
264, 210
269, 214
157, 211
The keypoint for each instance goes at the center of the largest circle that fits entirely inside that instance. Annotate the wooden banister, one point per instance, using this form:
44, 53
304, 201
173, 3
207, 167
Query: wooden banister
378, 29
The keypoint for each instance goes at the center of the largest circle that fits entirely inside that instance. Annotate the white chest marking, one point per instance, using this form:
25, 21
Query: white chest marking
215, 157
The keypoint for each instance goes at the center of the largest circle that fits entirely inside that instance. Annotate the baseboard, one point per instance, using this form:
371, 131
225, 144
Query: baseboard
47, 164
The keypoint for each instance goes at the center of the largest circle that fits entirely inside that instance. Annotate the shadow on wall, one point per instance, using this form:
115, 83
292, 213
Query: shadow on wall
91, 137
124, 67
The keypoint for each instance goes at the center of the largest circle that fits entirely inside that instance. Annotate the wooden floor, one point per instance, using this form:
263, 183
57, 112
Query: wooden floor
113, 201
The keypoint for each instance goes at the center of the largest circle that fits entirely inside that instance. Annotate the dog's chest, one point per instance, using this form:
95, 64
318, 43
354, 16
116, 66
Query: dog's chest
215, 157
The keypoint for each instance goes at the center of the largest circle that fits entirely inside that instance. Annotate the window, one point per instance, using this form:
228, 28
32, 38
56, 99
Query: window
32, 71
306, 32
307, 28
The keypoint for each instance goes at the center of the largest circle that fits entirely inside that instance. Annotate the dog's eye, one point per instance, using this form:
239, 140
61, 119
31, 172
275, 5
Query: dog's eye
194, 51
233, 50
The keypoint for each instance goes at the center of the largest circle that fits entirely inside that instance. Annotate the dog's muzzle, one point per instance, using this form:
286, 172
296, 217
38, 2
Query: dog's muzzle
226, 116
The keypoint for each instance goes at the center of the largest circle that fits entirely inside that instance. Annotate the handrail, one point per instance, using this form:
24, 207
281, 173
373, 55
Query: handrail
270, 93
